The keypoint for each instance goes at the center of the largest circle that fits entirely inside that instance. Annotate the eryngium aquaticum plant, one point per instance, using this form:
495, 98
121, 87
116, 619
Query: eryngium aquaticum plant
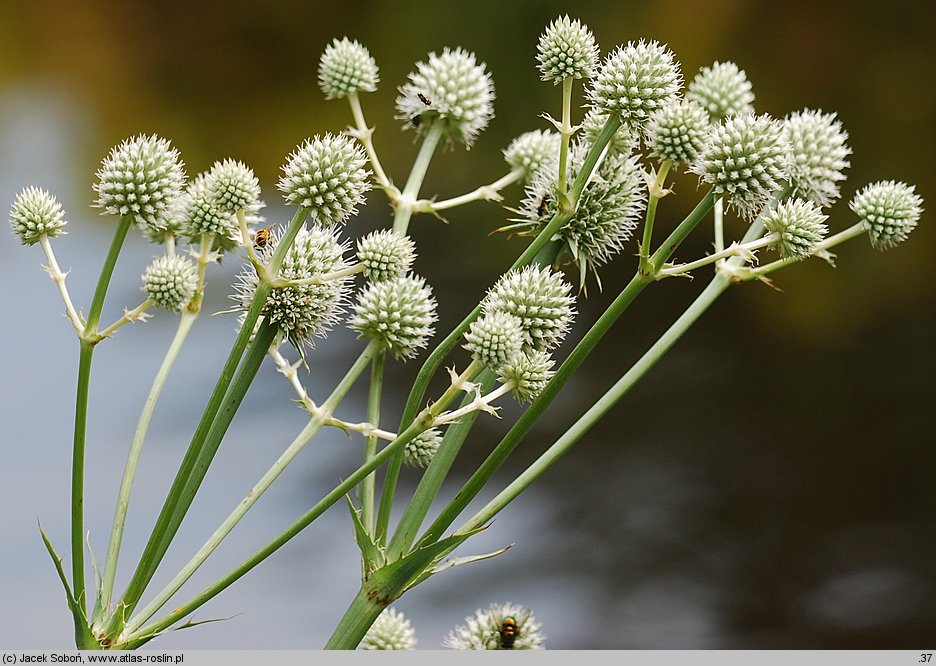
591, 182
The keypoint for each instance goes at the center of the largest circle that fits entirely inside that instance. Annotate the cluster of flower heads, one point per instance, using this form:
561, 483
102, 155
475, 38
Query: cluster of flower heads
524, 316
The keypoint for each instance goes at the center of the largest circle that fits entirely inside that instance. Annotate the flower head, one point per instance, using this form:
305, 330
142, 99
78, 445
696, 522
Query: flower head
36, 213
722, 90
677, 131
233, 187
140, 177
328, 175
398, 313
890, 210
302, 311
346, 68
420, 451
567, 49
200, 214
532, 151
744, 159
500, 627
799, 226
539, 298
495, 339
624, 142
170, 281
636, 80
607, 214
385, 254
390, 631
529, 373
818, 146
451, 90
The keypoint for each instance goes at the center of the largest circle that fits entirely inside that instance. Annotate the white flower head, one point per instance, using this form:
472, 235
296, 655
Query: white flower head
500, 627
398, 313
170, 281
799, 227
819, 153
36, 213
889, 210
722, 90
452, 90
567, 49
390, 631
346, 68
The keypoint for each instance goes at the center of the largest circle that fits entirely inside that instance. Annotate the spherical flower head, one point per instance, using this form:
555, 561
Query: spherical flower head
170, 281
539, 298
744, 159
890, 211
624, 142
607, 214
451, 90
141, 177
302, 312
818, 146
495, 339
398, 313
200, 214
532, 151
175, 223
636, 80
566, 50
799, 227
529, 373
346, 68
500, 627
385, 254
390, 631
233, 187
328, 175
677, 131
722, 90
36, 213
420, 451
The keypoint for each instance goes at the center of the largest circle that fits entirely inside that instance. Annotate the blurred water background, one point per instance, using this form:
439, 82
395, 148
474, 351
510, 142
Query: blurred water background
769, 485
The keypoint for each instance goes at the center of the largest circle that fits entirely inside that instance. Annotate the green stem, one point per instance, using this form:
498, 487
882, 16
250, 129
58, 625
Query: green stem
820, 249
85, 356
513, 437
407, 201
361, 614
656, 193
438, 355
364, 135
186, 320
719, 225
313, 426
368, 485
565, 131
207, 437
489, 192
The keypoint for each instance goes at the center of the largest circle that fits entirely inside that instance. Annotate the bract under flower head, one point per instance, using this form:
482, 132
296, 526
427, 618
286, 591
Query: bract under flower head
452, 90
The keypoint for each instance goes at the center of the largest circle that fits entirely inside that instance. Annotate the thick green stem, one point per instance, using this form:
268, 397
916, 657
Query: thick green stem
309, 431
361, 614
438, 355
207, 437
186, 320
407, 201
85, 356
368, 494
513, 437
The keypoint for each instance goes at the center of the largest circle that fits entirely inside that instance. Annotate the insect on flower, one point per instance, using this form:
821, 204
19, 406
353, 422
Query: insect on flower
425, 100
262, 237
508, 632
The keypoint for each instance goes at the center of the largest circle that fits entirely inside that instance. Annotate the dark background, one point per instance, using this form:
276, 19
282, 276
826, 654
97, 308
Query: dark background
768, 485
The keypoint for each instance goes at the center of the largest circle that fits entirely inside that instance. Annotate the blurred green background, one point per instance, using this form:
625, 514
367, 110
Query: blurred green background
769, 485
